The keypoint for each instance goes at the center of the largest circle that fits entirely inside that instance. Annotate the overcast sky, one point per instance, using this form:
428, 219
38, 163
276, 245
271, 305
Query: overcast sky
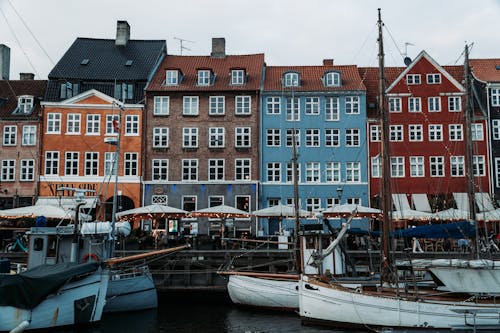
288, 32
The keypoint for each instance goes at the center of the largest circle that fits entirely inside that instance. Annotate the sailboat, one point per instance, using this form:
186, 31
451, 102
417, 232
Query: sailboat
391, 304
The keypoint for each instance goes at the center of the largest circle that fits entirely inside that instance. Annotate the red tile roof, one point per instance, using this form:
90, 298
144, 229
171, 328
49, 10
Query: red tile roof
369, 75
486, 69
310, 78
10, 90
221, 67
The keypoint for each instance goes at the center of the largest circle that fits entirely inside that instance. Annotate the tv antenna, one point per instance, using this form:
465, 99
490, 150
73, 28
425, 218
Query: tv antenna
181, 41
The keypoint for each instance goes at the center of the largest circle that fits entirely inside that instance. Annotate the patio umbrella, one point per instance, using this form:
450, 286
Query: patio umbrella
153, 211
346, 210
451, 214
50, 212
280, 211
221, 211
491, 215
410, 214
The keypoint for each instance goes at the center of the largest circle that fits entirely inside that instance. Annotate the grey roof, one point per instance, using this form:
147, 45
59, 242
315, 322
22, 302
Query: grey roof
106, 61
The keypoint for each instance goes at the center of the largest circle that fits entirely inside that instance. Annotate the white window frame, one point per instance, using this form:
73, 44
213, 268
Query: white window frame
479, 165
29, 135
190, 105
434, 104
190, 137
353, 172
53, 123
72, 163
433, 78
216, 137
477, 132
273, 172
242, 169
313, 172
413, 79
243, 137
161, 105
25, 103
352, 104
204, 77
332, 109
495, 96
273, 137
455, 132
457, 166
216, 169
289, 172
172, 77
189, 169
395, 104
454, 104
313, 205
312, 106
313, 137
9, 135
159, 169
397, 167
495, 129
110, 167
8, 171
273, 105
332, 172
217, 105
73, 123
160, 137
27, 170
93, 125
51, 166
332, 137
91, 167
435, 130
237, 77
436, 166
243, 105
375, 133
417, 166
291, 79
352, 137
414, 104
293, 109
497, 172
415, 133
289, 137
332, 79
132, 125
110, 128
376, 167
131, 164
396, 133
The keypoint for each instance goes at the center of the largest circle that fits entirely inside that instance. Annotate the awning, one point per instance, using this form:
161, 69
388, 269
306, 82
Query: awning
67, 202
400, 201
483, 201
461, 200
421, 202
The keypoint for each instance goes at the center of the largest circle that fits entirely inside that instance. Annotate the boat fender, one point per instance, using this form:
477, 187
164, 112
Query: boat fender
92, 256
358, 290
21, 327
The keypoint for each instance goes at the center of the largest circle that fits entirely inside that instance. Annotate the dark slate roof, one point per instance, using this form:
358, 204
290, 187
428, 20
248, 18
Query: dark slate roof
11, 89
106, 61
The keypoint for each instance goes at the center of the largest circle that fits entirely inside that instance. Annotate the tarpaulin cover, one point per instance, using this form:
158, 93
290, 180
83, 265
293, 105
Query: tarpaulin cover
28, 289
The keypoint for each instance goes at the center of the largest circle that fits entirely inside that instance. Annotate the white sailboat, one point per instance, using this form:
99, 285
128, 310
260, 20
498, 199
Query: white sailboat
387, 305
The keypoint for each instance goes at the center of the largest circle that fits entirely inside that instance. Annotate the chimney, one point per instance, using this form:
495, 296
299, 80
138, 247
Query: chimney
122, 33
26, 76
218, 48
4, 62
327, 62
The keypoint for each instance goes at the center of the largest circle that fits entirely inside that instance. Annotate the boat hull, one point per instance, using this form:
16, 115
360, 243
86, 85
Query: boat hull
341, 307
264, 292
78, 302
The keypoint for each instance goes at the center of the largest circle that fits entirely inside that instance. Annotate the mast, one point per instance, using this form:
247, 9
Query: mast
115, 190
298, 261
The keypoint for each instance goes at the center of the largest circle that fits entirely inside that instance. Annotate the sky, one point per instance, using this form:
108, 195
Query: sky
288, 32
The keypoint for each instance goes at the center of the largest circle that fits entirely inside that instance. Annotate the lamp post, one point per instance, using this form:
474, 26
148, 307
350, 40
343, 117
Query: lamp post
339, 193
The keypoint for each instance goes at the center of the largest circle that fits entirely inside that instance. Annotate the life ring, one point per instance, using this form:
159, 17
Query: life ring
92, 256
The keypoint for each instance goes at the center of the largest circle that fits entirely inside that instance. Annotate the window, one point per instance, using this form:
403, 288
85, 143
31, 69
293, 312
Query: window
172, 78
289, 172
312, 172
216, 137
110, 167
394, 104
352, 105
161, 106
290, 136
189, 203
130, 164
274, 172
215, 169
243, 105
435, 132
190, 137
375, 133
478, 165
313, 204
332, 79
415, 132
27, 170
396, 133
71, 163
291, 79
397, 166
332, 172
495, 129
91, 164
312, 106
160, 199
477, 132
273, 105
132, 125
413, 79
112, 123
159, 169
68, 90
242, 168
51, 163
271, 202
331, 202
53, 123
495, 97
434, 104
190, 106
93, 124
243, 202
417, 166
273, 137
160, 137
312, 137
376, 167
352, 137
434, 78
29, 135
189, 169
9, 135
8, 170
454, 104
332, 137
216, 106
293, 109
124, 91
24, 104
353, 172
436, 164
456, 132
242, 137
237, 76
73, 123
332, 109
215, 200
204, 77
414, 104
457, 164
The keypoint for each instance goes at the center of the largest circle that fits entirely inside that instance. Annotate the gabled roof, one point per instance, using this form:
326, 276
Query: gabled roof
80, 101
369, 75
486, 70
101, 60
10, 90
310, 78
221, 68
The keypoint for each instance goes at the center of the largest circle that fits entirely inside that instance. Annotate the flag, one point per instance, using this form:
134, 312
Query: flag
116, 125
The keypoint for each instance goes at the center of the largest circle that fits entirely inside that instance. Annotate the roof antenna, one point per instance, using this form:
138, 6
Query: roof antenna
407, 60
181, 40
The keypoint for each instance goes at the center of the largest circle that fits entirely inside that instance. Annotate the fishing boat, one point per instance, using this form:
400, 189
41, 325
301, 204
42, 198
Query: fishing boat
390, 303
49, 296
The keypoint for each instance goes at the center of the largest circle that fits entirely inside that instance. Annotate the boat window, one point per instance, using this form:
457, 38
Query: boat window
52, 248
38, 244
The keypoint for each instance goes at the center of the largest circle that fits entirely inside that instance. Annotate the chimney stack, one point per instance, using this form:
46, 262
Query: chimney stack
218, 48
4, 62
26, 76
122, 33
327, 62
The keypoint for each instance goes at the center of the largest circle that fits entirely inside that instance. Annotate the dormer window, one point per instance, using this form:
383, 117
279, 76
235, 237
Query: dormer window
237, 76
68, 90
172, 77
204, 77
25, 104
124, 91
291, 79
332, 79
434, 78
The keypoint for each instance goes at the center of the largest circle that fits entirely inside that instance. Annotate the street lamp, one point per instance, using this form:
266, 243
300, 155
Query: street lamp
339, 193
